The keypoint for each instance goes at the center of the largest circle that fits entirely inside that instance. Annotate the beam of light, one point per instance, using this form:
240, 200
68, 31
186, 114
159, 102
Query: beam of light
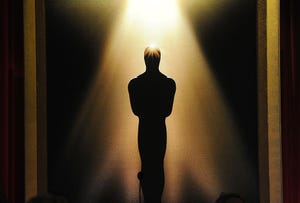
200, 128
152, 15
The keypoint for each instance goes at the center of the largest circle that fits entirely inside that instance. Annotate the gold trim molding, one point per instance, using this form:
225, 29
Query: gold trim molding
30, 100
269, 112
35, 99
269, 99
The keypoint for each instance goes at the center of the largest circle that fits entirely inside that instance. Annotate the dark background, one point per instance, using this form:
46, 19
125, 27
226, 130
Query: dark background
228, 39
12, 105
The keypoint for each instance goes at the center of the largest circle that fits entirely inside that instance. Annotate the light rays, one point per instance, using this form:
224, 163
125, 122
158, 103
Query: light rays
152, 16
200, 129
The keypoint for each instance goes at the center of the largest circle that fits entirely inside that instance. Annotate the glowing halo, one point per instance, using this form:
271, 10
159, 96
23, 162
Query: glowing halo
199, 106
153, 45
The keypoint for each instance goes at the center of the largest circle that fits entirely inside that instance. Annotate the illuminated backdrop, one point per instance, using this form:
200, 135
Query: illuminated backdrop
95, 47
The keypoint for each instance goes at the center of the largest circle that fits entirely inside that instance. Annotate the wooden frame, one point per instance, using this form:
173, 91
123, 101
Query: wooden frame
269, 119
35, 99
269, 130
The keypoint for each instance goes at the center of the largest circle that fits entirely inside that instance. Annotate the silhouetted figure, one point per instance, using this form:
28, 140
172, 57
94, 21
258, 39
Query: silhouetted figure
229, 198
151, 97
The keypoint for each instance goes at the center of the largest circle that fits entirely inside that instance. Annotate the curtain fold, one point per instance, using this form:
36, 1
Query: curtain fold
11, 100
290, 83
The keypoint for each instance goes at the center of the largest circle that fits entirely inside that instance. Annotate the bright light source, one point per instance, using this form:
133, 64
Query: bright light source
195, 144
153, 15
153, 45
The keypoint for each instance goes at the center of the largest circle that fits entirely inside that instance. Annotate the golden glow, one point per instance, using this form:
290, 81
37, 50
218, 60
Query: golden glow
153, 45
200, 129
152, 15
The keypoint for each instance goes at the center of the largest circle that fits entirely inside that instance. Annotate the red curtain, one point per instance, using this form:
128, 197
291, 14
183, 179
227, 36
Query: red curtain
290, 81
11, 101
